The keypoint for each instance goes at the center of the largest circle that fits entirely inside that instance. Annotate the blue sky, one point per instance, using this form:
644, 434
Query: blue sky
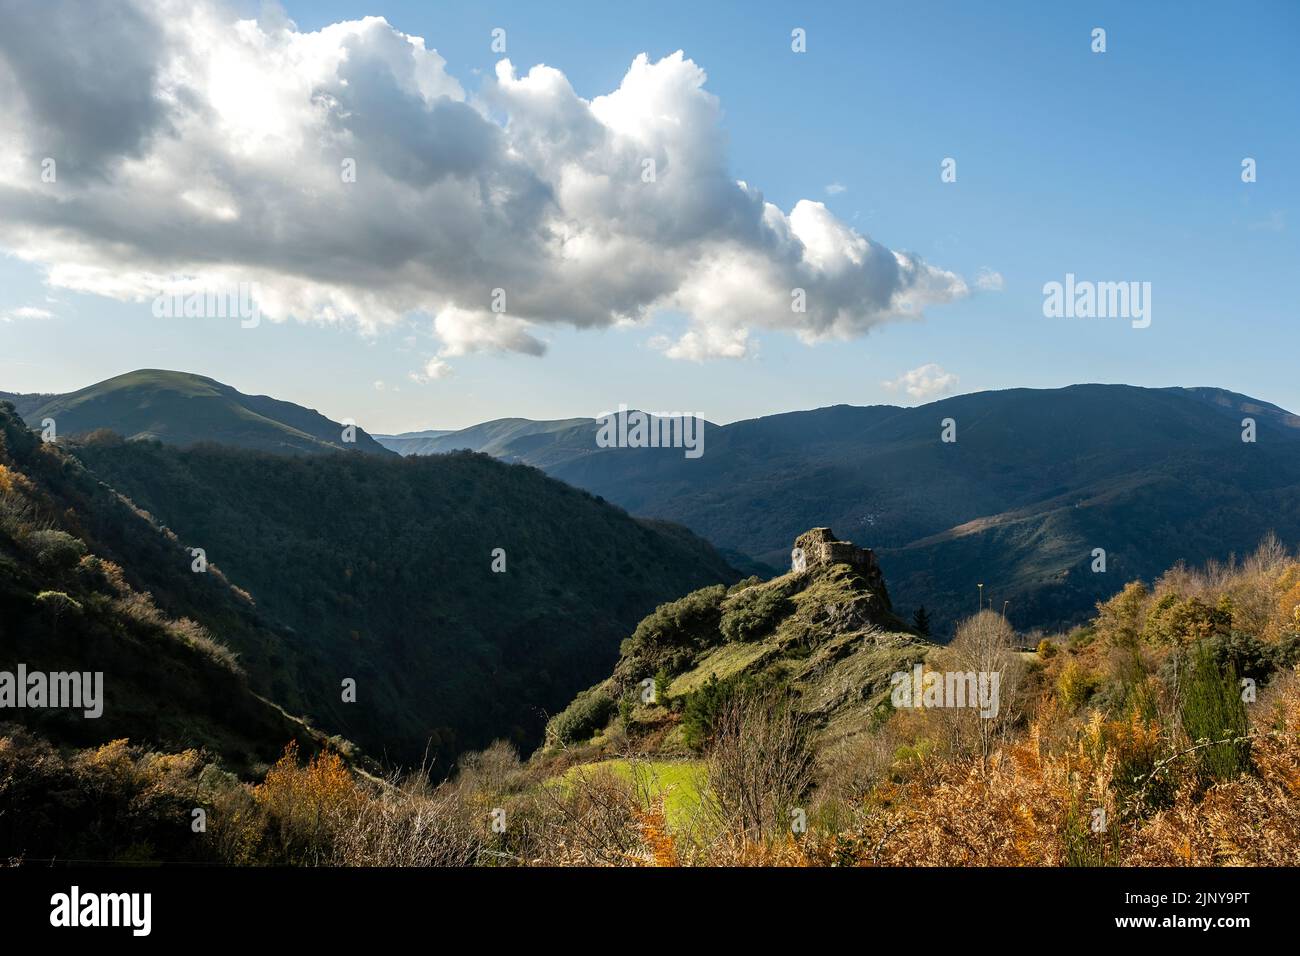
1117, 166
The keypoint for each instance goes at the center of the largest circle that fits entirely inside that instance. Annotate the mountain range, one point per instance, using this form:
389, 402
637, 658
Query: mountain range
509, 438
1049, 498
1034, 482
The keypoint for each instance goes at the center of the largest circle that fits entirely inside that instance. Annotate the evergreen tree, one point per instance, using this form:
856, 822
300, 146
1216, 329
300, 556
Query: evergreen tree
662, 680
1213, 711
921, 621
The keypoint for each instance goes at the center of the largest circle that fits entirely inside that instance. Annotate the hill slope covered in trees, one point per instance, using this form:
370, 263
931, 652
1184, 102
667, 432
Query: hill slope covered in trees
72, 599
380, 570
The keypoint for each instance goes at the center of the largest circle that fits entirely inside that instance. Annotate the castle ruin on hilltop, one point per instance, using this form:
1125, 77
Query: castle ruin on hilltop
819, 548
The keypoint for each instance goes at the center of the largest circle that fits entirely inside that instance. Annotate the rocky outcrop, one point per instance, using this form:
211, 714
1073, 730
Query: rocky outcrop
818, 547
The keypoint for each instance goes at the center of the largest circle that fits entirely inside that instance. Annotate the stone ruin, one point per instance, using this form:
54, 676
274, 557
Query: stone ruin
819, 548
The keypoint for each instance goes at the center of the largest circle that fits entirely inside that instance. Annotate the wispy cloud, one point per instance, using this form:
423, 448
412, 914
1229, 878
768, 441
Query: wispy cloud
26, 312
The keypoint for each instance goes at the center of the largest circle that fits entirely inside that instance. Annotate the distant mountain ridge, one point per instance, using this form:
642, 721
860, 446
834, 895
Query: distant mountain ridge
180, 408
409, 443
1036, 480
501, 438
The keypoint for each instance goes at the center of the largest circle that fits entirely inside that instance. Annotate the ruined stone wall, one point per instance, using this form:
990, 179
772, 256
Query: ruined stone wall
819, 548
844, 552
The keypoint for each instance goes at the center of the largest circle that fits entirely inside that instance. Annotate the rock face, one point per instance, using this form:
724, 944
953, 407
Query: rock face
819, 548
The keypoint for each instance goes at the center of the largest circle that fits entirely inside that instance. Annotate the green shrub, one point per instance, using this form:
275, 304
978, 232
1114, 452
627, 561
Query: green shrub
921, 621
662, 680
753, 613
1179, 622
56, 550
1120, 619
1243, 654
57, 603
701, 711
1286, 652
689, 623
589, 712
1076, 684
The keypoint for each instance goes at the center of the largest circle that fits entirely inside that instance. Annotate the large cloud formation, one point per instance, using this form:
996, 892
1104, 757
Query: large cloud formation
196, 150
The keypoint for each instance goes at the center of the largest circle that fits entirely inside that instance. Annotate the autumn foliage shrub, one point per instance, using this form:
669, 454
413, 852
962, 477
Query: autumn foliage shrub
305, 806
106, 804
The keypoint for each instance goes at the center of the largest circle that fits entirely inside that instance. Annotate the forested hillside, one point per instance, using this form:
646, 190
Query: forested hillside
380, 570
73, 599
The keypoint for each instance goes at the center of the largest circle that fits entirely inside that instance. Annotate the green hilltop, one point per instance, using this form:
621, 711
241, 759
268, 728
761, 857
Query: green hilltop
181, 408
825, 634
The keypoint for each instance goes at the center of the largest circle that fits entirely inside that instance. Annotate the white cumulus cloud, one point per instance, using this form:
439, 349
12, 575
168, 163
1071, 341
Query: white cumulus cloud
434, 368
197, 149
701, 344
927, 381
